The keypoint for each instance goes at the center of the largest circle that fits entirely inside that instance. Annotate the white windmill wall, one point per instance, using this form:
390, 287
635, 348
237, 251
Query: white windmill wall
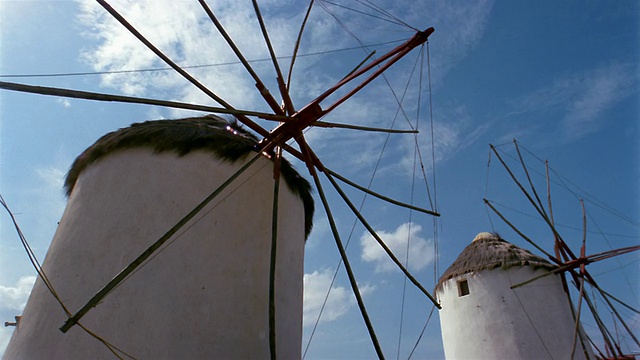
494, 321
203, 296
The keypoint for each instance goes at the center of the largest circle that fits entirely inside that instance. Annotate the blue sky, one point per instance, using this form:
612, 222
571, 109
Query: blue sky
561, 78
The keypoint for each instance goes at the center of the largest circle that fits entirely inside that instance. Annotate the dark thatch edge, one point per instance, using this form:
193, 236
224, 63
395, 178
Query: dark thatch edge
227, 140
490, 253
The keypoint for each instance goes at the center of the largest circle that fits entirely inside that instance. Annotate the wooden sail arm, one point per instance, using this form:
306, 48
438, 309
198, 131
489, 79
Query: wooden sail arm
128, 270
273, 104
313, 111
582, 261
88, 95
564, 248
393, 56
588, 259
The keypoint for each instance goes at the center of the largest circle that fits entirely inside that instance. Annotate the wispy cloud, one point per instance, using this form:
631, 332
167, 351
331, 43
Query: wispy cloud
339, 302
455, 131
41, 205
50, 194
459, 27
582, 99
601, 89
186, 35
420, 249
64, 102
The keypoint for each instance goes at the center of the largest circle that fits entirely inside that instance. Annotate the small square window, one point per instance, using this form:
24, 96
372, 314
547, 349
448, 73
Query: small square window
463, 287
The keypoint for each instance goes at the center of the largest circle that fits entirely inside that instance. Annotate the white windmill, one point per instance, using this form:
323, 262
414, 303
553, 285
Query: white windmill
205, 292
483, 317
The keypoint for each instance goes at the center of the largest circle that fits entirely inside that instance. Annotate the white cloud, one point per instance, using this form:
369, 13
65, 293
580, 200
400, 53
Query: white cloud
188, 37
186, 34
15, 297
64, 102
420, 249
340, 301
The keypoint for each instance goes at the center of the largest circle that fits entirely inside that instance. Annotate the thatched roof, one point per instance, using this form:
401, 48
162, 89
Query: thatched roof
489, 251
227, 140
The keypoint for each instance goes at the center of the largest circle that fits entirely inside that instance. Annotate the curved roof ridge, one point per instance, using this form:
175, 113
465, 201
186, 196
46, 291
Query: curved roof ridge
229, 141
489, 251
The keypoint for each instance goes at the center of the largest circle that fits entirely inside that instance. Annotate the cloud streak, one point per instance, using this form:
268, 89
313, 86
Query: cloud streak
582, 99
